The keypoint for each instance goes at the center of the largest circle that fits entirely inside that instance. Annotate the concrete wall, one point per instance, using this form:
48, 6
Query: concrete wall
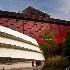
16, 65
18, 43
17, 34
18, 53
15, 53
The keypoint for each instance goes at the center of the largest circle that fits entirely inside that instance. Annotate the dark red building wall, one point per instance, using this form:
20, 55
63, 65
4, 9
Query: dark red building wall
35, 29
15, 24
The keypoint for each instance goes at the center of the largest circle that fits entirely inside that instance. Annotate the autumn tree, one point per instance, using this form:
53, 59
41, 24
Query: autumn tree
49, 45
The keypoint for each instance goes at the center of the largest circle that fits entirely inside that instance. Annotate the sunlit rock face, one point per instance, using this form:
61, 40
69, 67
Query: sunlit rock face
18, 50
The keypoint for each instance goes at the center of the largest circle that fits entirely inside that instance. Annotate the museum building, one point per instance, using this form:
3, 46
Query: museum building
20, 34
33, 23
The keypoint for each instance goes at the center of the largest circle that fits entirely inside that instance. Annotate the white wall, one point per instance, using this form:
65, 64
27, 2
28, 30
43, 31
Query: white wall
15, 53
16, 65
18, 43
17, 34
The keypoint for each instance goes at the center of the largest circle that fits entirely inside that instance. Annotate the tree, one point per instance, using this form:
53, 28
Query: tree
49, 45
44, 49
48, 35
66, 46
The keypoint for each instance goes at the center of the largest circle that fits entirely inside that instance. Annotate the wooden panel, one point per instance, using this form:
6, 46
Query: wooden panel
20, 29
12, 26
31, 23
39, 25
26, 27
27, 32
20, 22
34, 35
33, 29
39, 41
12, 21
40, 33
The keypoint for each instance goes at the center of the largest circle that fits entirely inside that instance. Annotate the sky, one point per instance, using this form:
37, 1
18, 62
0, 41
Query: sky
58, 9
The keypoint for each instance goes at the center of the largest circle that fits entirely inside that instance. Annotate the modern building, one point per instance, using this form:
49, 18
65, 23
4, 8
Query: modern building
20, 34
18, 50
33, 23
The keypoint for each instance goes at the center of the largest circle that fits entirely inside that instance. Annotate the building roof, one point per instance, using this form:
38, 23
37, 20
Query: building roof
33, 14
34, 11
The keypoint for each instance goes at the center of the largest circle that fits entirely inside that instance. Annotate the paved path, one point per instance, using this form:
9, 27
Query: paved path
26, 68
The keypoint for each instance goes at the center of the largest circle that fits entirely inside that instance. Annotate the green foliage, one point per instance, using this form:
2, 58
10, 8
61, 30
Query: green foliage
48, 35
49, 40
49, 44
66, 46
44, 49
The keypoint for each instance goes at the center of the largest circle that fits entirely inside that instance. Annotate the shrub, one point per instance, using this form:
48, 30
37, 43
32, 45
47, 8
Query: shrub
56, 62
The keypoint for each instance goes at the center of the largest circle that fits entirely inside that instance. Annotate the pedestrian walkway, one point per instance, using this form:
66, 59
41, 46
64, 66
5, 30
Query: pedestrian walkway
25, 68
